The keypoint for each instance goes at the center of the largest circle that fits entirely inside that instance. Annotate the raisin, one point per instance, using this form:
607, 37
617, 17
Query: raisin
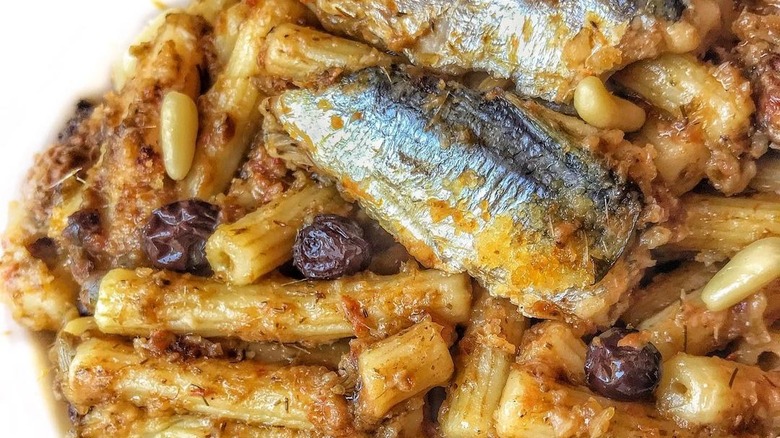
622, 372
83, 110
82, 224
332, 246
44, 249
175, 236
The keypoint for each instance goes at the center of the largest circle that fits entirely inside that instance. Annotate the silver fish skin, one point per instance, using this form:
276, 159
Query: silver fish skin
468, 182
544, 46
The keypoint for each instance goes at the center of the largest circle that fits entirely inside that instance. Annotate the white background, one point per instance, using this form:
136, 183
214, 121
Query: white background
51, 53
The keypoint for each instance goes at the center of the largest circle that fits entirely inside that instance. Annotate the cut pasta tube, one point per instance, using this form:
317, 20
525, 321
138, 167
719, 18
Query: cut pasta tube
279, 309
710, 391
688, 326
484, 356
400, 367
124, 420
261, 241
722, 226
296, 397
305, 56
231, 116
545, 396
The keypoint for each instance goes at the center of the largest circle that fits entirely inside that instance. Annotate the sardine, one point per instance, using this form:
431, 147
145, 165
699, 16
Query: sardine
482, 183
545, 46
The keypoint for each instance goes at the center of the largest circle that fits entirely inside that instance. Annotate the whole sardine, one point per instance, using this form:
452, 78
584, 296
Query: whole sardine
468, 182
545, 46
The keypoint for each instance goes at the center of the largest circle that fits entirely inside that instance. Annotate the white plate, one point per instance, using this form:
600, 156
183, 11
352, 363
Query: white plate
53, 52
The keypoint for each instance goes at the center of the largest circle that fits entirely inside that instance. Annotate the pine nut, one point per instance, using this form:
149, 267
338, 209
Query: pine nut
599, 108
749, 270
178, 133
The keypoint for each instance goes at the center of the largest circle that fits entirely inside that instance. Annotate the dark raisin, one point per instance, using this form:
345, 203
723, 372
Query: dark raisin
83, 110
330, 247
628, 370
44, 249
82, 224
175, 236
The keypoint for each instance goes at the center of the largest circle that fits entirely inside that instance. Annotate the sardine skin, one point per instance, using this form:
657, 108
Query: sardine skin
544, 46
466, 181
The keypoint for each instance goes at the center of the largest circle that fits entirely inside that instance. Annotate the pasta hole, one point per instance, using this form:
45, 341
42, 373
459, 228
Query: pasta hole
679, 389
223, 259
768, 361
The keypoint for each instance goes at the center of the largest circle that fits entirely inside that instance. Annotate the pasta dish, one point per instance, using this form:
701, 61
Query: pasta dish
408, 218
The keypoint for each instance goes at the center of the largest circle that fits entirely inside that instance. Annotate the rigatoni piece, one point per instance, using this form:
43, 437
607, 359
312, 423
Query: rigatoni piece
230, 116
125, 68
534, 406
683, 86
723, 226
298, 397
124, 420
665, 289
685, 325
227, 27
764, 353
484, 356
680, 155
261, 241
306, 56
767, 177
210, 10
552, 348
327, 355
278, 309
400, 367
724, 395
688, 326
410, 423
715, 101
